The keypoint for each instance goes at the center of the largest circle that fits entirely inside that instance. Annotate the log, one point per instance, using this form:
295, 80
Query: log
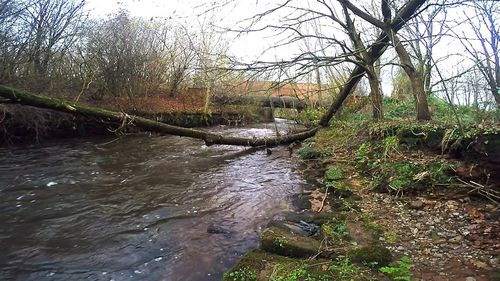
27, 98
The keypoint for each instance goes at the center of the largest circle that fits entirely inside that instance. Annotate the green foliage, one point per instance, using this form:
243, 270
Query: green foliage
381, 159
280, 241
308, 153
390, 145
242, 274
399, 272
391, 237
371, 254
345, 270
333, 178
294, 275
396, 109
335, 230
404, 174
364, 156
297, 273
334, 174
310, 116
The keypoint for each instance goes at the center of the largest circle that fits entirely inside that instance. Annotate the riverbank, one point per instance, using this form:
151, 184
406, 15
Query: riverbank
26, 124
397, 202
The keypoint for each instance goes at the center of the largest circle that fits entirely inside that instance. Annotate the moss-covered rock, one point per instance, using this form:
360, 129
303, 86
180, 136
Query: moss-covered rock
262, 266
284, 242
371, 254
302, 201
322, 218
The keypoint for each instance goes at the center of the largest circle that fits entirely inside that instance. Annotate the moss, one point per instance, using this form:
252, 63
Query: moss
391, 237
279, 268
334, 173
321, 218
335, 231
283, 242
308, 153
371, 254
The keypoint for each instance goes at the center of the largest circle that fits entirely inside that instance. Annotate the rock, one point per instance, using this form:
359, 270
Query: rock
416, 205
414, 231
302, 201
470, 279
372, 253
494, 215
479, 264
322, 218
284, 242
301, 228
456, 240
216, 229
494, 262
299, 216
261, 266
309, 217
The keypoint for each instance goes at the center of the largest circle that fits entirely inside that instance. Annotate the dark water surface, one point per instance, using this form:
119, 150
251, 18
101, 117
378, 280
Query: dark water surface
137, 208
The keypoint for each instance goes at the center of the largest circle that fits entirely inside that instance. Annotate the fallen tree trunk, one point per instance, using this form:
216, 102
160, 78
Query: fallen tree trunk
264, 101
375, 51
124, 120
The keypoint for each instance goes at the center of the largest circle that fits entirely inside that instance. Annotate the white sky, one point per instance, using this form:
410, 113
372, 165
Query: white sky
249, 46
185, 11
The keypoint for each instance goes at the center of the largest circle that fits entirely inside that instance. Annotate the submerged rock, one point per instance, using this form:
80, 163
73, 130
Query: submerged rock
217, 229
302, 201
300, 227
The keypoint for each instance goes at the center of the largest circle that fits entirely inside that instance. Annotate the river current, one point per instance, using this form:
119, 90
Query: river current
138, 207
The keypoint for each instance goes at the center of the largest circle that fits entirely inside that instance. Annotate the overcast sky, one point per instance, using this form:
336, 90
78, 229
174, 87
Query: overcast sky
187, 11
247, 47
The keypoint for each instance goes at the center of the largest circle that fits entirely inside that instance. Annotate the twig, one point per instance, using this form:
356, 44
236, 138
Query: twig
488, 193
323, 202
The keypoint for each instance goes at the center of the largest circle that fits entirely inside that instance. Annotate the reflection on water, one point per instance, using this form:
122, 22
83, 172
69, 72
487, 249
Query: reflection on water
137, 208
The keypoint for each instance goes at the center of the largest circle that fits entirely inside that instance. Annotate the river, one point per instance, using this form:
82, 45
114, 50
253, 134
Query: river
138, 207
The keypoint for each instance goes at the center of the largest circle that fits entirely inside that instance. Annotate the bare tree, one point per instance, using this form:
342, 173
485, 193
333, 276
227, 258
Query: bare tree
50, 27
483, 45
416, 77
127, 56
372, 67
422, 34
11, 45
180, 56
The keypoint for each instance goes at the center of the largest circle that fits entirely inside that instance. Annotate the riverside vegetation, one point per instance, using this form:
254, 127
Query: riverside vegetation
397, 200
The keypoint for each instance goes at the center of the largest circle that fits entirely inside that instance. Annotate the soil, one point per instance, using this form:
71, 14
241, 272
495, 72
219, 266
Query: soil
448, 235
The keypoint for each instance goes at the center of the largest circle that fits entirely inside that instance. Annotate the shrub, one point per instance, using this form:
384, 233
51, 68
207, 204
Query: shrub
308, 153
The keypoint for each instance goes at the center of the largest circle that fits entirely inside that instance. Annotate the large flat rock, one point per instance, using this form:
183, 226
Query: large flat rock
287, 243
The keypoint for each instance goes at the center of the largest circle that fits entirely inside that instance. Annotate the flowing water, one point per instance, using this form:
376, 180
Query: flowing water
138, 207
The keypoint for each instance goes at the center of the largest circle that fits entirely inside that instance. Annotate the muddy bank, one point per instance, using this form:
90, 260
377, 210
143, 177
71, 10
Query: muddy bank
26, 124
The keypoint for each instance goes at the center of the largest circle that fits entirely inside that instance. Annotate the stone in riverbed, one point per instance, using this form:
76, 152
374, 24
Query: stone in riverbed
416, 205
372, 253
291, 226
216, 229
284, 242
296, 217
309, 217
302, 201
